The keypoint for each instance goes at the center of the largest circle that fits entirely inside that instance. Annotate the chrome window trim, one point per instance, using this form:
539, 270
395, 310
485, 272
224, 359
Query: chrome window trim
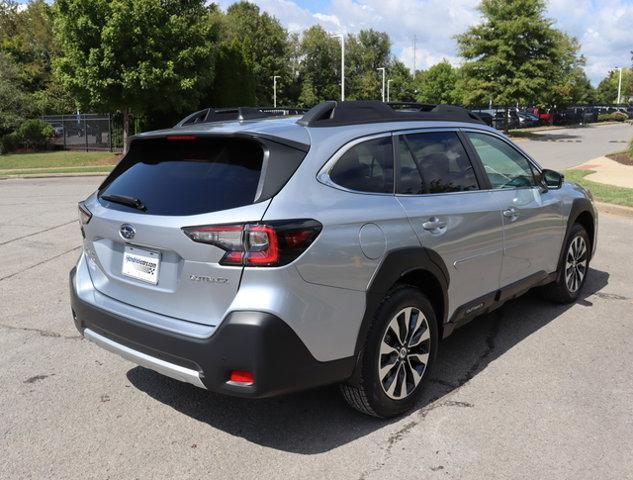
324, 174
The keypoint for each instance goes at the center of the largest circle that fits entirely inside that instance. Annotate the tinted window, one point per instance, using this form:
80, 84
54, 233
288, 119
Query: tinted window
506, 167
410, 178
188, 177
441, 162
366, 167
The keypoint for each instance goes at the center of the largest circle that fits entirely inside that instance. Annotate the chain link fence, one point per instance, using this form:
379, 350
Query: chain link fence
87, 131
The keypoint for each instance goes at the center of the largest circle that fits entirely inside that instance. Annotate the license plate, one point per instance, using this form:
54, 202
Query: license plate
141, 264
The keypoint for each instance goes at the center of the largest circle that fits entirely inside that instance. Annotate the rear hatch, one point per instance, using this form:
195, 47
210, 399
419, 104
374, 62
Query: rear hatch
141, 254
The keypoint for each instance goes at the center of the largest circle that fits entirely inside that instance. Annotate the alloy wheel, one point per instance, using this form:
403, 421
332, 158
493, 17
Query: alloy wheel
404, 353
576, 264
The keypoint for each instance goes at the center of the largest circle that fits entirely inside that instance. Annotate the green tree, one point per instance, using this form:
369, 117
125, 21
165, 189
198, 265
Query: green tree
320, 66
438, 84
364, 54
265, 47
402, 87
15, 105
515, 55
134, 55
607, 91
227, 90
26, 36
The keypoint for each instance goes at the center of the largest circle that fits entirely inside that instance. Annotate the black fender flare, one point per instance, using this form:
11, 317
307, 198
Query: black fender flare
393, 267
578, 207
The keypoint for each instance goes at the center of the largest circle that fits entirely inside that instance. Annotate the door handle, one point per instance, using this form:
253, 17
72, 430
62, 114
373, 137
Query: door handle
434, 225
511, 213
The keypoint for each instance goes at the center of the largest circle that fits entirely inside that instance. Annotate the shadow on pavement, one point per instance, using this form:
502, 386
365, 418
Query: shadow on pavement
555, 137
319, 420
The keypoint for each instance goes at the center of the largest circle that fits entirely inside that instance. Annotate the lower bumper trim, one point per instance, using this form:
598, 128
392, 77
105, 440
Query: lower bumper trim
161, 366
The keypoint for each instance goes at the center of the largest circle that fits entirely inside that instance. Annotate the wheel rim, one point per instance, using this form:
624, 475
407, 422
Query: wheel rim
404, 353
576, 264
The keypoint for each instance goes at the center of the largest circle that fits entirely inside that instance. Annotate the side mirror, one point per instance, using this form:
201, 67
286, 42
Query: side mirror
553, 180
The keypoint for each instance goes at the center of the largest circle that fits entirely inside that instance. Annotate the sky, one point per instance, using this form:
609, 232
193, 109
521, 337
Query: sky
604, 28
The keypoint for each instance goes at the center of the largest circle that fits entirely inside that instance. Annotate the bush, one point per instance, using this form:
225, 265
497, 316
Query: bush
613, 117
35, 134
9, 143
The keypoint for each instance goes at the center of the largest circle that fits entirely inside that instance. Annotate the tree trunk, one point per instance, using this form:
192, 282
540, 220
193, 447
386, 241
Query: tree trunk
126, 127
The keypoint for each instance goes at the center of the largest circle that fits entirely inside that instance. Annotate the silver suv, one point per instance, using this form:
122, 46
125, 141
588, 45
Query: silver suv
254, 255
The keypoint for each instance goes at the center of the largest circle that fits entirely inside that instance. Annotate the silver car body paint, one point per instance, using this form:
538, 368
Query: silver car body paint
322, 294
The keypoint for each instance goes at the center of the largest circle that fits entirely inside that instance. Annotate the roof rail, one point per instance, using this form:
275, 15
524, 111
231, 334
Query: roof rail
334, 114
412, 106
237, 113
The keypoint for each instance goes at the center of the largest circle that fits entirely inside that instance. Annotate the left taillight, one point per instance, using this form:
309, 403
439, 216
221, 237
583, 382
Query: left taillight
84, 217
270, 244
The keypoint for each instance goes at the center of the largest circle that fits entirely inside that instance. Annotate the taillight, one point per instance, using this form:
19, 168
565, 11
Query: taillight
84, 214
269, 244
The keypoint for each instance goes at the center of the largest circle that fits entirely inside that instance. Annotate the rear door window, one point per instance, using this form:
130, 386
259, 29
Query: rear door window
366, 167
441, 164
187, 177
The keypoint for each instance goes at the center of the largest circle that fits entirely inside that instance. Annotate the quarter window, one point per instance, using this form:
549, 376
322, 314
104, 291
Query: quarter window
366, 167
434, 162
505, 167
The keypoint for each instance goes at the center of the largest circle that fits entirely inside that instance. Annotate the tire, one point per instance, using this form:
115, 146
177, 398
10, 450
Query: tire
573, 273
405, 363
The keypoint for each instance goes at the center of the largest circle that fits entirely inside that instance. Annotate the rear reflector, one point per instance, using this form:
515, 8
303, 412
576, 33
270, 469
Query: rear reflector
239, 376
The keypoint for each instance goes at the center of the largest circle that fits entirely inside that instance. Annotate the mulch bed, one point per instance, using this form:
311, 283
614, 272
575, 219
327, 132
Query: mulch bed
622, 158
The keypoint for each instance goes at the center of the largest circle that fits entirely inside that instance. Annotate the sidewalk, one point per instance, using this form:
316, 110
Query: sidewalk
608, 172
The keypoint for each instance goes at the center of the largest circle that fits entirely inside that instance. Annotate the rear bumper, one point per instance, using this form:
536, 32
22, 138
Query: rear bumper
256, 342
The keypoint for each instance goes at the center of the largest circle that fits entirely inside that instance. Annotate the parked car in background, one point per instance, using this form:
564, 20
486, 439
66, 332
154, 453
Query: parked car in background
527, 120
546, 115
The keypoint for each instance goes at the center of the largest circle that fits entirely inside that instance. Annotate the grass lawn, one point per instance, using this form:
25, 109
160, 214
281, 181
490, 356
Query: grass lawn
601, 191
55, 160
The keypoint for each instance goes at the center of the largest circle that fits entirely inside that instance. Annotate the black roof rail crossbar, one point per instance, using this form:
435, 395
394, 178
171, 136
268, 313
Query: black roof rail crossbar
238, 113
333, 114
412, 106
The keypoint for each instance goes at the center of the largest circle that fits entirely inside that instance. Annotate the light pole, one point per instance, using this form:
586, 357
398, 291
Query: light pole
275, 90
619, 85
342, 37
383, 82
389, 88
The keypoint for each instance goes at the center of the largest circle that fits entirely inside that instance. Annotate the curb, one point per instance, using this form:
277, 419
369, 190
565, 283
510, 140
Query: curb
613, 209
55, 175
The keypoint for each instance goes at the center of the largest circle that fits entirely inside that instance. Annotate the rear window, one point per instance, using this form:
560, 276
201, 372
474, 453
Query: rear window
187, 177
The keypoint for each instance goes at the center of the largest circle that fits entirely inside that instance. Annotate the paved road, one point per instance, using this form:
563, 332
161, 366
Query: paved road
532, 391
568, 147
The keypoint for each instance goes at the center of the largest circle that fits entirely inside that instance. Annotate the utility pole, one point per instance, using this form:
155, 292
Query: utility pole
415, 39
383, 81
275, 90
388, 88
620, 85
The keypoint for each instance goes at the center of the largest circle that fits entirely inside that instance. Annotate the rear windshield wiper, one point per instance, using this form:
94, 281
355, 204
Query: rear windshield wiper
125, 200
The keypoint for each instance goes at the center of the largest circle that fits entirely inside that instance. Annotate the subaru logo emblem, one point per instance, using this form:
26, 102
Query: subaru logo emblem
127, 231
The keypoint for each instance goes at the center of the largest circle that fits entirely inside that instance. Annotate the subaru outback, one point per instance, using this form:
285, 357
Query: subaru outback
255, 255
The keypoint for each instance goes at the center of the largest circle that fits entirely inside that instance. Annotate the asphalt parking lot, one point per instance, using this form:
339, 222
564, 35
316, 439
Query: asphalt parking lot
566, 147
533, 390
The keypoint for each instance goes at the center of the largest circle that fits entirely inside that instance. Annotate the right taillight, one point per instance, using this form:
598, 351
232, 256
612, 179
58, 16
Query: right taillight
269, 244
